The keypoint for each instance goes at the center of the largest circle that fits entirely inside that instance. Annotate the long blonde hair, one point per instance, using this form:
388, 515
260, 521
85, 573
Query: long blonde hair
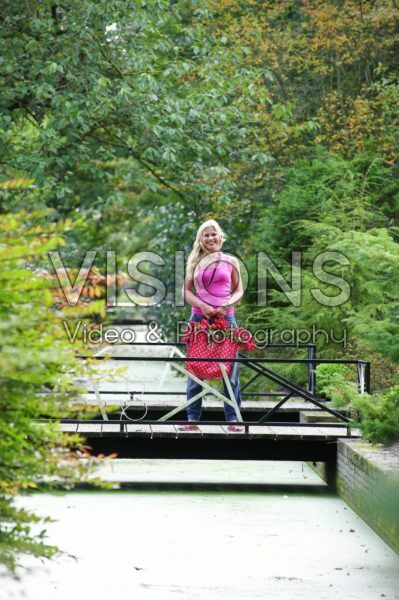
197, 253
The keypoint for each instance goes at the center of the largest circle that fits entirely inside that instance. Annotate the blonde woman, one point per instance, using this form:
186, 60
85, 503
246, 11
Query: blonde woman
218, 287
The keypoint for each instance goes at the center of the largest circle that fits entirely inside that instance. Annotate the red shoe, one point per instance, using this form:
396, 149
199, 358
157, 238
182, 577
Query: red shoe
189, 428
234, 427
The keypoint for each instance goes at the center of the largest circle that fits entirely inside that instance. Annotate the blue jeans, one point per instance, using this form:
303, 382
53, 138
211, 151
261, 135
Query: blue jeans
194, 388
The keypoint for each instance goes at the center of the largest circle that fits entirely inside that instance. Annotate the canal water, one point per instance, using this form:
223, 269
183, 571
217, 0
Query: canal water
203, 529
207, 529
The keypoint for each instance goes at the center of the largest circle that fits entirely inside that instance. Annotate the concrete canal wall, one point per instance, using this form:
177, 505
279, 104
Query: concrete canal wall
367, 478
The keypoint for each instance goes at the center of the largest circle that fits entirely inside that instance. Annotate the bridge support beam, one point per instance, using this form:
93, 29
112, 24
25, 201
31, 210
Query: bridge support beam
330, 470
228, 449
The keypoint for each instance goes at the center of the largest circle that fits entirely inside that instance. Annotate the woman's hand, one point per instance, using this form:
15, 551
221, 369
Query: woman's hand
207, 310
220, 311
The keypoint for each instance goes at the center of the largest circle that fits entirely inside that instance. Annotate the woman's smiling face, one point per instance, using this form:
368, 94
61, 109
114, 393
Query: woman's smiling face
211, 239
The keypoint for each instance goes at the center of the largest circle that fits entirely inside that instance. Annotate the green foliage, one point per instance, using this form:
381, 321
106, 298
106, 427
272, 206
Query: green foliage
380, 416
143, 86
35, 381
324, 188
333, 382
331, 205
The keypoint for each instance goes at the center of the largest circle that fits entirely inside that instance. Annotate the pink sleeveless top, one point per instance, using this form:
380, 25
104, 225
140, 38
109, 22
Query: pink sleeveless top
217, 292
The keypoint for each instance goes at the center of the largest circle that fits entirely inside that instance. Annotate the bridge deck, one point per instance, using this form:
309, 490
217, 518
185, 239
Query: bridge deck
273, 432
212, 441
248, 441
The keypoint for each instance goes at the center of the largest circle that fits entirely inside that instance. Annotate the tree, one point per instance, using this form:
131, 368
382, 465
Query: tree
334, 204
144, 83
35, 382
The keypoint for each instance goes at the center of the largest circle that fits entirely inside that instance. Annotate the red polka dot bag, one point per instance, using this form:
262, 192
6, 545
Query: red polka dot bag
218, 340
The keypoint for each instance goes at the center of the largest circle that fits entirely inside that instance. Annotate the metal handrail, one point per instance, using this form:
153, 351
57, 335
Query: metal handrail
257, 365
243, 360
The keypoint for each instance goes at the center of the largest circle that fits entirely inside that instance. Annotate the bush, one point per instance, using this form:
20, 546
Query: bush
333, 381
36, 361
378, 414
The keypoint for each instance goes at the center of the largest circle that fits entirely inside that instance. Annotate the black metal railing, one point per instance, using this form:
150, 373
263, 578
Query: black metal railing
257, 365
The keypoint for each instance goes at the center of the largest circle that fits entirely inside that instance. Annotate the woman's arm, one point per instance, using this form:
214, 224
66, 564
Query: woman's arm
192, 299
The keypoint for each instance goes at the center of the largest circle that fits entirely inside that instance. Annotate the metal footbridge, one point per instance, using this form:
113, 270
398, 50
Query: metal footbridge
291, 423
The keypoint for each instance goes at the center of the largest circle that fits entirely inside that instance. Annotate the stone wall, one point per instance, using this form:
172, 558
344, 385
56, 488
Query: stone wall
367, 478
